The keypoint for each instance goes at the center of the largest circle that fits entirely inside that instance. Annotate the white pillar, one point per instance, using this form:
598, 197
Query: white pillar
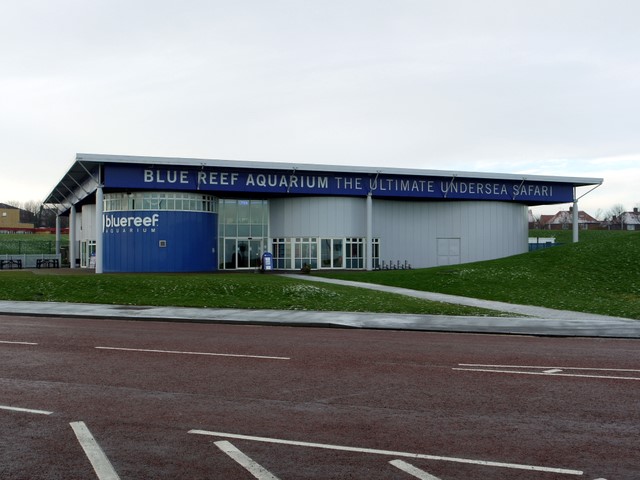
369, 240
99, 235
57, 234
72, 237
575, 216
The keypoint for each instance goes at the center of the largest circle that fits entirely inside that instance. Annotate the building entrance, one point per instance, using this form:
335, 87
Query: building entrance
242, 253
88, 254
243, 228
331, 253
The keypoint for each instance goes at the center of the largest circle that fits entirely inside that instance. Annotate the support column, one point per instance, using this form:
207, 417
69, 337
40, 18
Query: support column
369, 240
575, 216
99, 235
57, 234
72, 237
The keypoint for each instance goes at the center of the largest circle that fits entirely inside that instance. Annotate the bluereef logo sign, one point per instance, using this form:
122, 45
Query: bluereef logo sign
328, 183
128, 223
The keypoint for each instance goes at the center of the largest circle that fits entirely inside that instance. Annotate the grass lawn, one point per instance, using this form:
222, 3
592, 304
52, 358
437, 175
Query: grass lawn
600, 274
235, 290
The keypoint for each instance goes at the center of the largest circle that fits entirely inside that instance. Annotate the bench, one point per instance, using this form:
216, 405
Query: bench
10, 264
47, 263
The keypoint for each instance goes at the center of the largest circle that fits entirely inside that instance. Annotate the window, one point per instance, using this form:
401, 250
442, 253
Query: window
281, 251
355, 253
293, 253
375, 246
305, 252
175, 201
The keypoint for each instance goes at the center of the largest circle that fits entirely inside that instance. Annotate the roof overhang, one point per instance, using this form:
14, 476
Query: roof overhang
80, 182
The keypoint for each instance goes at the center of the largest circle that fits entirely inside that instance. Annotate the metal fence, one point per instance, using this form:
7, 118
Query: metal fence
540, 246
29, 247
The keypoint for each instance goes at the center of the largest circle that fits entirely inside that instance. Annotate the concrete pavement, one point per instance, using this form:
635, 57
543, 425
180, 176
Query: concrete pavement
531, 320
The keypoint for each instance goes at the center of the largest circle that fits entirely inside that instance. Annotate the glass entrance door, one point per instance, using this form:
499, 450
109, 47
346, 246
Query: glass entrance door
87, 253
242, 252
331, 253
255, 253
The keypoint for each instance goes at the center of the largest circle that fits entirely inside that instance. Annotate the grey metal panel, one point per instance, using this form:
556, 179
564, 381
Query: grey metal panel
317, 217
87, 221
410, 230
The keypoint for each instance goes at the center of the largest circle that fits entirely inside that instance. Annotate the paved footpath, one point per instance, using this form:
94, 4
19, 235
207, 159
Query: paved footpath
530, 320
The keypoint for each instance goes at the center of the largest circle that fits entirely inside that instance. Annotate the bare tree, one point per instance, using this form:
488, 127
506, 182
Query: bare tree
599, 215
615, 215
32, 206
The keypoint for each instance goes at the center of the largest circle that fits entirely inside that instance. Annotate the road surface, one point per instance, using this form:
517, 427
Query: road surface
109, 399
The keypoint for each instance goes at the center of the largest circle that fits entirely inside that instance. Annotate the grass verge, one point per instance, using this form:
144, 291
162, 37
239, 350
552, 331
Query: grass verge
600, 274
252, 291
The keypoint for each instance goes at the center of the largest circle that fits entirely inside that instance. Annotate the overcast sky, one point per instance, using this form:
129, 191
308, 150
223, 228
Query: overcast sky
534, 87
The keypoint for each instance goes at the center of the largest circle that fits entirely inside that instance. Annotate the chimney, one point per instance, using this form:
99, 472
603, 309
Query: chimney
635, 209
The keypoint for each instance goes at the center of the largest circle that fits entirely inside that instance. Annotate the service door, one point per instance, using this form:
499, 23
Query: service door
448, 251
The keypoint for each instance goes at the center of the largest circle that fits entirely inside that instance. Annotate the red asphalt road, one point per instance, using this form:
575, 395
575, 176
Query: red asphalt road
393, 391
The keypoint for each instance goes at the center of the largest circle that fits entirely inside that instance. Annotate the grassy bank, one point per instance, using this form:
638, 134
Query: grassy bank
212, 290
600, 274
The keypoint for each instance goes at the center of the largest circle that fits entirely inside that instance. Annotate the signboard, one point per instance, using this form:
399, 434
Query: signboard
221, 180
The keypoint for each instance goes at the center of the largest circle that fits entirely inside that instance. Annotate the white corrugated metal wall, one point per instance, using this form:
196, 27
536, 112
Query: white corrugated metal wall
328, 217
412, 231
424, 234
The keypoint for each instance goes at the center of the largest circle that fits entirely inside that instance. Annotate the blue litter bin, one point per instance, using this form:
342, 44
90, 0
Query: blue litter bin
267, 262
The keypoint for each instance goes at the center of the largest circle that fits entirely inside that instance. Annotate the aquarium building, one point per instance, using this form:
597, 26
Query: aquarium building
156, 214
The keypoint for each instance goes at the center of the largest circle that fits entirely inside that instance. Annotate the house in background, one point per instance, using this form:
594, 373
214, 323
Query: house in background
533, 221
12, 218
563, 220
626, 221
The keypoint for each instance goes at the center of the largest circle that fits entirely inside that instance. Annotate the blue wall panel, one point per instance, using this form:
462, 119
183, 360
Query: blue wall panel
159, 241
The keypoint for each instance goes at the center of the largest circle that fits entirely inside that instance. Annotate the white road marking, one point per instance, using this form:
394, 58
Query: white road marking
552, 370
25, 410
390, 452
98, 459
264, 357
411, 470
487, 370
18, 343
251, 466
551, 367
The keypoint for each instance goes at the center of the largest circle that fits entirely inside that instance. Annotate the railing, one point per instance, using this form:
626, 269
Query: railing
393, 265
30, 260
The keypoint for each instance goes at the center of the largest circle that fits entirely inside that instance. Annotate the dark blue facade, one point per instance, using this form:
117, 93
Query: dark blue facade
159, 241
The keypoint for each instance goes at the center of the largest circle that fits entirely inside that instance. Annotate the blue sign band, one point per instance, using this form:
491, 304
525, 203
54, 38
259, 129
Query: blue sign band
332, 183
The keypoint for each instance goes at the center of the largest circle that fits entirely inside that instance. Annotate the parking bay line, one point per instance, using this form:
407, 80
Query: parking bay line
411, 470
254, 468
485, 463
99, 461
25, 410
176, 352
536, 367
544, 373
